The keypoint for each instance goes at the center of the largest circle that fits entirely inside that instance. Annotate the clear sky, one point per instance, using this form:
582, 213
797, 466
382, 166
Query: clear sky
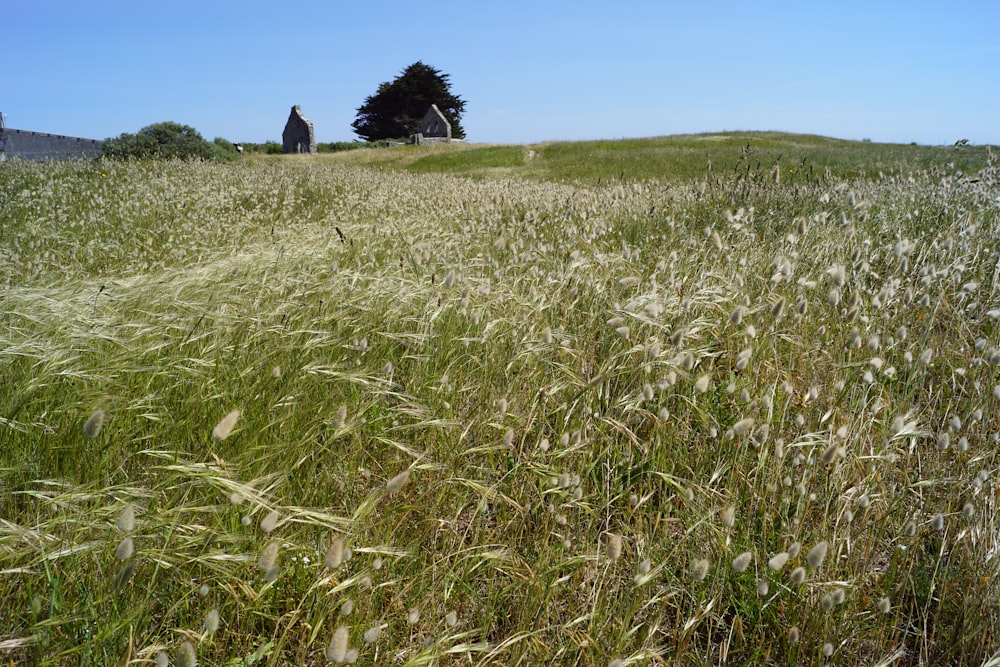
529, 71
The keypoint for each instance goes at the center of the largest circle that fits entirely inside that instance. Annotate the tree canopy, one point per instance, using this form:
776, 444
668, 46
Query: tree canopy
165, 141
396, 109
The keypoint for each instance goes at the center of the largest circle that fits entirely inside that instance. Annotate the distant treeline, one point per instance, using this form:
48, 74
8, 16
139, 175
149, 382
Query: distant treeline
274, 147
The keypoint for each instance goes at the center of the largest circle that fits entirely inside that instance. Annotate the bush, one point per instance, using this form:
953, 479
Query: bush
165, 141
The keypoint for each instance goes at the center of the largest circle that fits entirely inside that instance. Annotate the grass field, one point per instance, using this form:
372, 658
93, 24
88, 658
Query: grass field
575, 404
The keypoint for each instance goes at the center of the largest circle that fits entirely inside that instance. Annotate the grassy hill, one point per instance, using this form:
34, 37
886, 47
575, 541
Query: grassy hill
458, 406
800, 158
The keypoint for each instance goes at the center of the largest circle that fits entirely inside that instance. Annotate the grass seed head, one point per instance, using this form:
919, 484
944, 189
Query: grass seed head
797, 576
613, 547
225, 427
778, 561
743, 426
211, 622
817, 554
336, 651
742, 562
93, 426
270, 522
397, 482
700, 569
126, 520
269, 556
186, 656
125, 549
334, 554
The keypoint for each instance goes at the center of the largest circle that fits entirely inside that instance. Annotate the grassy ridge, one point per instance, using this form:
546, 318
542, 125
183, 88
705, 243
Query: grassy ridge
687, 157
731, 419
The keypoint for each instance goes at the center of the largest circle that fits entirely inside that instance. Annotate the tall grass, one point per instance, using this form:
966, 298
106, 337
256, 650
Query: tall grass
418, 419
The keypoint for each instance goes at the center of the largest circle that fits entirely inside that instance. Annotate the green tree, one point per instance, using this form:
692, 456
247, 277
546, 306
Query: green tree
396, 109
165, 140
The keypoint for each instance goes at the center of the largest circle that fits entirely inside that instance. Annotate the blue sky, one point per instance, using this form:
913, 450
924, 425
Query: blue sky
529, 71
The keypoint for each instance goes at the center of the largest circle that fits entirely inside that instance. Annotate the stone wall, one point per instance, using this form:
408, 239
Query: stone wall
40, 146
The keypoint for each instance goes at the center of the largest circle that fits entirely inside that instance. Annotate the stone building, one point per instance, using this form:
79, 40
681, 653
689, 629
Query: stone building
434, 128
298, 136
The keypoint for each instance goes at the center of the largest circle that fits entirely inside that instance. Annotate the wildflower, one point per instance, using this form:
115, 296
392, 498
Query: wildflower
270, 522
224, 428
700, 569
742, 562
337, 650
125, 549
126, 521
817, 554
397, 482
93, 426
211, 622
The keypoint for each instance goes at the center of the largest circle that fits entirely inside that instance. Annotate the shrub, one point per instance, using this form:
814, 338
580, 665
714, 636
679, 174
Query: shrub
167, 140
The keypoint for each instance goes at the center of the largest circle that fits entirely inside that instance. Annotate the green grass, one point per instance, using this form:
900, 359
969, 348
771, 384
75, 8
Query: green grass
800, 158
556, 357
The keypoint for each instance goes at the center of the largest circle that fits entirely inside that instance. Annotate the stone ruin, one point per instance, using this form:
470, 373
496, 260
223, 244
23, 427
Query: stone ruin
298, 136
434, 128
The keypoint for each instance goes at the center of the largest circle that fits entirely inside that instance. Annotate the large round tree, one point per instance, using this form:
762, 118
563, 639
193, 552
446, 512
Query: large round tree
396, 109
